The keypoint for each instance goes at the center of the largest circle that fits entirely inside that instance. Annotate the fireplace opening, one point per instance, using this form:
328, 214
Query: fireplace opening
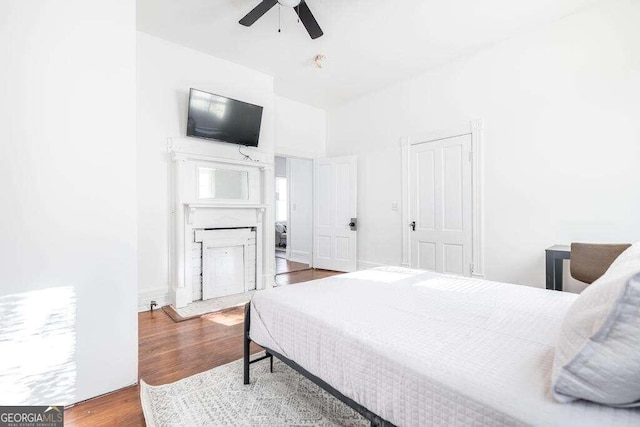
224, 262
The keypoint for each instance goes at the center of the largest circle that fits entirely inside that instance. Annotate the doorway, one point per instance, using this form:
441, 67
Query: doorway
293, 214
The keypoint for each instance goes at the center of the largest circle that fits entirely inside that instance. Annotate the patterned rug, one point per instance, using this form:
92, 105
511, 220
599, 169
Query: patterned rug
219, 398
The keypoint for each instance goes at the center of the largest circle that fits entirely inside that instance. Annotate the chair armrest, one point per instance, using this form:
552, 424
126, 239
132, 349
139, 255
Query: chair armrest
589, 261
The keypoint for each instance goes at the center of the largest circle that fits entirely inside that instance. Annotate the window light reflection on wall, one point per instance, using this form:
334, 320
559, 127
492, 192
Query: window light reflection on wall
38, 347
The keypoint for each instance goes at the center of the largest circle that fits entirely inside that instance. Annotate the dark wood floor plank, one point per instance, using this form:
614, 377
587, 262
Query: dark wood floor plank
169, 351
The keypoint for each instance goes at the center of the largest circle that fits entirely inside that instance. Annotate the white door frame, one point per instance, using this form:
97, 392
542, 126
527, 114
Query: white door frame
301, 157
475, 129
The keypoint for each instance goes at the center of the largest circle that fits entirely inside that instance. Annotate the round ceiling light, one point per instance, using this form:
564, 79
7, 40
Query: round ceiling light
289, 3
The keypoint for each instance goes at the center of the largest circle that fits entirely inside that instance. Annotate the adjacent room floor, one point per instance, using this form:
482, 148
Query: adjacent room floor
170, 351
285, 266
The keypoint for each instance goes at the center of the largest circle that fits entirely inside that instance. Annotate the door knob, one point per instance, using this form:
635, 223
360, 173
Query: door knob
413, 225
353, 224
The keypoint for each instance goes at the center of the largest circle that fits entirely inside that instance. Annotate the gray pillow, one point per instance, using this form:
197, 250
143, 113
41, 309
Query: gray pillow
598, 351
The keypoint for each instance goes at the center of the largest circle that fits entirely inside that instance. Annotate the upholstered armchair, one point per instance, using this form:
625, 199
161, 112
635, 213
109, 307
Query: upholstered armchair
589, 261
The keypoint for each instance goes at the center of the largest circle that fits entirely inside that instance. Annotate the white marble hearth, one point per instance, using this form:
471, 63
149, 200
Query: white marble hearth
198, 308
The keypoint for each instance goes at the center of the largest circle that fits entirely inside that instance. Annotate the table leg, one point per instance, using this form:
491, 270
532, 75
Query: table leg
558, 268
549, 265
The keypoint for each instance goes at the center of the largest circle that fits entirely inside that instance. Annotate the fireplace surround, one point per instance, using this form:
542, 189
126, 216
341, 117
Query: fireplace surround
216, 193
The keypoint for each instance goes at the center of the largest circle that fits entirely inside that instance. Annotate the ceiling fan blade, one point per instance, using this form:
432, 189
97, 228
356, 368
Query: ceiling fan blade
257, 12
308, 20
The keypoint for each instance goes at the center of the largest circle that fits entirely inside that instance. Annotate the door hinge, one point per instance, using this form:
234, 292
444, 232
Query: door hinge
471, 268
471, 156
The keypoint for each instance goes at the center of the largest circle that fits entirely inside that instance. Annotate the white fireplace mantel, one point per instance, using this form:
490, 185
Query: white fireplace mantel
193, 207
191, 213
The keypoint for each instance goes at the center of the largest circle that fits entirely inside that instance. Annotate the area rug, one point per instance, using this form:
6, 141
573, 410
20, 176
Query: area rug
219, 398
200, 308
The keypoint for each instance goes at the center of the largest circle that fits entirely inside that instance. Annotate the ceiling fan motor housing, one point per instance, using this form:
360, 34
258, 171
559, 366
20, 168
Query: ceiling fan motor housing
289, 3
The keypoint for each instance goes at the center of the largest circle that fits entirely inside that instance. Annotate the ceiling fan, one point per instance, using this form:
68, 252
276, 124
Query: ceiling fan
301, 8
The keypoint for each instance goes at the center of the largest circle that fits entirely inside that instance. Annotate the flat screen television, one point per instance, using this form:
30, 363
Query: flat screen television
223, 119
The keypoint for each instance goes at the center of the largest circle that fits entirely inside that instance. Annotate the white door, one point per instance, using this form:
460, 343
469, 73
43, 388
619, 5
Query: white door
440, 200
334, 217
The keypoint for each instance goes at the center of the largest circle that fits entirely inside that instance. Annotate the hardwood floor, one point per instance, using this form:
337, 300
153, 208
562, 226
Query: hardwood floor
303, 276
285, 266
169, 351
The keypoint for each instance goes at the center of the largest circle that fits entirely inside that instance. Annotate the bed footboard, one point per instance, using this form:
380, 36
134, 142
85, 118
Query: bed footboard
247, 346
373, 418
247, 341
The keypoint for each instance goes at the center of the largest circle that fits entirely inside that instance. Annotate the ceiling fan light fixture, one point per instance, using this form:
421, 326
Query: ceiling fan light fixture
289, 3
318, 59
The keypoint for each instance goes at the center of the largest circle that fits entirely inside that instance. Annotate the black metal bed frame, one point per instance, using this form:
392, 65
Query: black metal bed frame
373, 418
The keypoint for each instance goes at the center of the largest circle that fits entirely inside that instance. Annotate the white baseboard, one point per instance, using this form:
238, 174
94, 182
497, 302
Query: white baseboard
159, 295
363, 265
300, 256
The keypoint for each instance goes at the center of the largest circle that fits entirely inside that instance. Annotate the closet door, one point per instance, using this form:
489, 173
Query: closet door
441, 205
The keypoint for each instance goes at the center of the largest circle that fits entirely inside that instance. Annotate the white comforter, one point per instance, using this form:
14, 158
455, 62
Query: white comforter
419, 348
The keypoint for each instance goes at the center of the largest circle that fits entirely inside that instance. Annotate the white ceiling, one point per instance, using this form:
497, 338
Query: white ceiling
369, 44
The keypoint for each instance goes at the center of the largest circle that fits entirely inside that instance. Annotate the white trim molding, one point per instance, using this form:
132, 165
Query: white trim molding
365, 265
406, 241
474, 128
301, 257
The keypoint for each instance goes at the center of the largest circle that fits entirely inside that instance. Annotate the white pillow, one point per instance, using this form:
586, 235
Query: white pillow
598, 353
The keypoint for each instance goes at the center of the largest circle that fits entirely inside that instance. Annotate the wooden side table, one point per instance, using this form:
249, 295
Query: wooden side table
555, 255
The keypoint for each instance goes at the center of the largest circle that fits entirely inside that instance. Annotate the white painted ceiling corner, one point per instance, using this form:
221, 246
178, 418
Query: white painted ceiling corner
372, 43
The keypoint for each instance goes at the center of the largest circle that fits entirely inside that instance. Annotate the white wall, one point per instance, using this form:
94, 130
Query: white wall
280, 167
562, 140
301, 212
67, 182
300, 130
165, 72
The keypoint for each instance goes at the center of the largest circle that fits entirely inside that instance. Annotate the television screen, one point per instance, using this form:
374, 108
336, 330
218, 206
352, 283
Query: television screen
223, 119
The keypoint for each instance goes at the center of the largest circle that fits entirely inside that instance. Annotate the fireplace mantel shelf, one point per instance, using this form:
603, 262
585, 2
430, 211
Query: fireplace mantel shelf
191, 208
199, 205
178, 155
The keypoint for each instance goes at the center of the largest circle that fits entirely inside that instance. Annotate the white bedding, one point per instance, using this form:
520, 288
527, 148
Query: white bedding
418, 348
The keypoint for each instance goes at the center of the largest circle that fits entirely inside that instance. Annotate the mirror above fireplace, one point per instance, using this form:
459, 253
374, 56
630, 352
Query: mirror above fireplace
222, 184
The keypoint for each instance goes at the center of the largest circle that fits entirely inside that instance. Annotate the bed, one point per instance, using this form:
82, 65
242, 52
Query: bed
407, 347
